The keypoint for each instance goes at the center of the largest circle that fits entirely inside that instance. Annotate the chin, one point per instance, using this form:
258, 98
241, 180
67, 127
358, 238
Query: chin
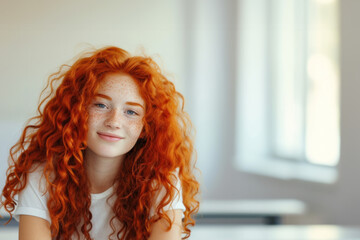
107, 155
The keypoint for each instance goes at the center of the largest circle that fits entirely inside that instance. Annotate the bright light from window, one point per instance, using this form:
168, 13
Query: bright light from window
326, 1
322, 111
306, 115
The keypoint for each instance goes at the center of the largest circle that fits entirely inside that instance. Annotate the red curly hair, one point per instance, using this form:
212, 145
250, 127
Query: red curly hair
57, 140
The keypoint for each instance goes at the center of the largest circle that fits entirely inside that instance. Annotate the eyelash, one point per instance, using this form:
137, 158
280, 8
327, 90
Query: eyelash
131, 112
100, 105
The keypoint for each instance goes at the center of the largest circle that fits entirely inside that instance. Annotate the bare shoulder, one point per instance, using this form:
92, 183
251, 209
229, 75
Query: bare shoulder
160, 231
31, 228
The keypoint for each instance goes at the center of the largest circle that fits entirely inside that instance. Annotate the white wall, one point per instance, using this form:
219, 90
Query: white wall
197, 45
36, 37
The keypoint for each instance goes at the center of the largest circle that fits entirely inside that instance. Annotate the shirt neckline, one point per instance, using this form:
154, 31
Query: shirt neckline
101, 195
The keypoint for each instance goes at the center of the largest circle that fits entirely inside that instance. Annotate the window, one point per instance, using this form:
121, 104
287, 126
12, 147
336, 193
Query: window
288, 89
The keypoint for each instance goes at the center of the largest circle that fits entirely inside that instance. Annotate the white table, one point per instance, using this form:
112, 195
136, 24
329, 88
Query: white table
281, 232
250, 211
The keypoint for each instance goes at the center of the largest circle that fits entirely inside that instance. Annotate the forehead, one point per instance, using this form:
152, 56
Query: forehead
120, 84
118, 81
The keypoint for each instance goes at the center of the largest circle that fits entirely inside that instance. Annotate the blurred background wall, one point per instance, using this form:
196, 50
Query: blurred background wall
196, 43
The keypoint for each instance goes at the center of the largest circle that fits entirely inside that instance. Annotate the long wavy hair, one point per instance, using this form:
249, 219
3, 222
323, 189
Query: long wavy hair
56, 138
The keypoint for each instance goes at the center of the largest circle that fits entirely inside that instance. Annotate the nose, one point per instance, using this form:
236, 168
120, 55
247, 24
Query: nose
113, 119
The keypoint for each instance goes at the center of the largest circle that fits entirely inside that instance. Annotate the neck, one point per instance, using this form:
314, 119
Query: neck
101, 171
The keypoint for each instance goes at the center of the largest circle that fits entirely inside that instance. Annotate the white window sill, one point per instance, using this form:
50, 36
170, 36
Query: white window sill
289, 170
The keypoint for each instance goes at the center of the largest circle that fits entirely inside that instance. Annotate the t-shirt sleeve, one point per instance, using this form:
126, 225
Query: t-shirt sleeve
175, 204
32, 200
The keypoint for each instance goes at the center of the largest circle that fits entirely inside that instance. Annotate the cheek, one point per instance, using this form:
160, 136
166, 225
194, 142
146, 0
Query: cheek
93, 123
136, 128
93, 118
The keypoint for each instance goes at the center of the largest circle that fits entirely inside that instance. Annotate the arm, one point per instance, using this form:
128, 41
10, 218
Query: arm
33, 228
159, 228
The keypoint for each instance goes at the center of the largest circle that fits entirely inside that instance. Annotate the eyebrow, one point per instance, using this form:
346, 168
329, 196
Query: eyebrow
135, 104
128, 103
103, 96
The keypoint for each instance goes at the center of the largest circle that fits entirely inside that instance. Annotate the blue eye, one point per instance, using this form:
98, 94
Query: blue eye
131, 112
100, 105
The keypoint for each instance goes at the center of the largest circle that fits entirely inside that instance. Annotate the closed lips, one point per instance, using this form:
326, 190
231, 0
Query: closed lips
109, 136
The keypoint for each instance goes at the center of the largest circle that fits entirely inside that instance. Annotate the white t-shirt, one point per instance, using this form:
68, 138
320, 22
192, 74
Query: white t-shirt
33, 201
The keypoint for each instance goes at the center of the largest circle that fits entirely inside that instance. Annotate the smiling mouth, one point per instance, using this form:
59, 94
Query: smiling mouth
109, 137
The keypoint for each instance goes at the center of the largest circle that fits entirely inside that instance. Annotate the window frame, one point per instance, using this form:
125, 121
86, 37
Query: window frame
254, 153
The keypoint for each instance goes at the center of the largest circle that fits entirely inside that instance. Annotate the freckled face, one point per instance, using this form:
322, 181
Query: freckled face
115, 117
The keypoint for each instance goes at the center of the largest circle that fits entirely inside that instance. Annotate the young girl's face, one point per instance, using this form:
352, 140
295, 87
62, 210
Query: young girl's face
115, 117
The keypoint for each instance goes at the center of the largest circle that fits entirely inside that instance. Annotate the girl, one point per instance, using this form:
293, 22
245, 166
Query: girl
109, 156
